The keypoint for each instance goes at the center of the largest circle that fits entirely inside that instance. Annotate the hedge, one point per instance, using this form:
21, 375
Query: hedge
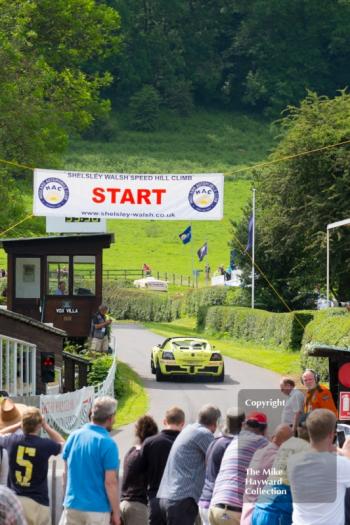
139, 305
328, 327
275, 329
196, 298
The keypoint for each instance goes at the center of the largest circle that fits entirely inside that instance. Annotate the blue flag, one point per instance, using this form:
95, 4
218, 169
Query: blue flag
250, 233
202, 252
186, 235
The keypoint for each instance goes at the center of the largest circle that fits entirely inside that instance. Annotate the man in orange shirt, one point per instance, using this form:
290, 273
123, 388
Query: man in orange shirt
317, 396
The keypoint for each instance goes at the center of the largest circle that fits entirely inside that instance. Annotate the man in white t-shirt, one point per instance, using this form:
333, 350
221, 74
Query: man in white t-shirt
319, 477
295, 403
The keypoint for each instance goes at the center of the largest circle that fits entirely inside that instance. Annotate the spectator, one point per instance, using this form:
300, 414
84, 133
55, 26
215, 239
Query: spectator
154, 454
11, 512
259, 469
318, 477
183, 478
100, 330
295, 403
221, 270
228, 273
133, 506
207, 273
61, 288
28, 456
146, 269
227, 501
10, 421
91, 462
215, 452
317, 396
274, 506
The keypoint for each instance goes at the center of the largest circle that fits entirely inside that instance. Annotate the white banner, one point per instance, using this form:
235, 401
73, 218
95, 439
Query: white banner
68, 412
129, 196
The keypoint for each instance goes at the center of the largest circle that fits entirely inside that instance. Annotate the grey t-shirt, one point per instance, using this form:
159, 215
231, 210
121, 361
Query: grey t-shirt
185, 469
318, 481
294, 404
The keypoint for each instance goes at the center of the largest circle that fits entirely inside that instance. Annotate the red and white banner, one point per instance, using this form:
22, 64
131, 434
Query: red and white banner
129, 196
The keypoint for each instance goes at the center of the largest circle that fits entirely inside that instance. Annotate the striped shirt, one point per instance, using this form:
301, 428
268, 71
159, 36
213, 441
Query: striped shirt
11, 512
230, 482
185, 469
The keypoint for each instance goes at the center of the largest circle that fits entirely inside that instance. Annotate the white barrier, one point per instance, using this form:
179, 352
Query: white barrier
70, 411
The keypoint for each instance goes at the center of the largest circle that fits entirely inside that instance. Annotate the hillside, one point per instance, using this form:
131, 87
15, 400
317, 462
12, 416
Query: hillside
204, 142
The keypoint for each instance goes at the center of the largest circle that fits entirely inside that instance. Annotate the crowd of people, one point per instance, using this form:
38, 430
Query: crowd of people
243, 474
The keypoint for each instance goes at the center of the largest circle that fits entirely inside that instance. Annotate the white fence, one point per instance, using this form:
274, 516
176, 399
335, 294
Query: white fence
18, 366
68, 412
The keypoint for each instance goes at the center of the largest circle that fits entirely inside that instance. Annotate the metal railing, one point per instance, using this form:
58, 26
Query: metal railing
17, 366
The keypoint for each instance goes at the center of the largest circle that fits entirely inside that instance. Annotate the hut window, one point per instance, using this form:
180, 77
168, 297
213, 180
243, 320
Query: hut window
84, 275
58, 272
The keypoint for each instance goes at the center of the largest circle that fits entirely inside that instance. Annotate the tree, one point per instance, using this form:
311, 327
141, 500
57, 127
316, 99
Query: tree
48, 88
297, 198
276, 50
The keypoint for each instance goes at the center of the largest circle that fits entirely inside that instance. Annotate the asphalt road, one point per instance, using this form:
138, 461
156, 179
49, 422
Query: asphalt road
134, 345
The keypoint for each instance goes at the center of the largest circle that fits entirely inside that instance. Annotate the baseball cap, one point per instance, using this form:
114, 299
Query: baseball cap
258, 417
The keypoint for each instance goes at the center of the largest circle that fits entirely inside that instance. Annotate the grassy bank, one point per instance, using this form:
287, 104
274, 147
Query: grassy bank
280, 361
204, 142
133, 401
207, 141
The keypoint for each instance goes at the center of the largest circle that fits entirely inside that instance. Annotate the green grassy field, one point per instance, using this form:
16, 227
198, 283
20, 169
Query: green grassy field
205, 142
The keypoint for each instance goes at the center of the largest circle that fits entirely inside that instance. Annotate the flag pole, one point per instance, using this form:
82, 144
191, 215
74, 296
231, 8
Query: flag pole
253, 250
192, 251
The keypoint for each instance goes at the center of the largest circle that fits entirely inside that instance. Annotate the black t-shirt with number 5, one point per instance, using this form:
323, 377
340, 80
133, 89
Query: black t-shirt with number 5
28, 464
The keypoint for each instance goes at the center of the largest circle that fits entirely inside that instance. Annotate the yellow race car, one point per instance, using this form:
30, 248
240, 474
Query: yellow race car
188, 356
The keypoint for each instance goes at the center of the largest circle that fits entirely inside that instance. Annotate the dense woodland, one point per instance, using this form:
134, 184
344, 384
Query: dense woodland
66, 66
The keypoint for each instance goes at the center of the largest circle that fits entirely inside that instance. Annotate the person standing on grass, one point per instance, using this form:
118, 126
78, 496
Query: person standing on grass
319, 476
154, 454
317, 396
215, 452
227, 500
28, 456
91, 462
184, 474
294, 405
133, 505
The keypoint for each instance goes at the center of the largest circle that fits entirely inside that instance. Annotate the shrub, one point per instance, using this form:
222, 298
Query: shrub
140, 305
194, 299
144, 109
99, 369
276, 329
328, 327
98, 373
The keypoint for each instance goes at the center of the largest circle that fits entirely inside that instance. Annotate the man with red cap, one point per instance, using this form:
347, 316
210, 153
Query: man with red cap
227, 501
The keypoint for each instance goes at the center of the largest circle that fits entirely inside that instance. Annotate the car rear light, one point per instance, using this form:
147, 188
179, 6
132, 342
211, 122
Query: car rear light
168, 355
216, 356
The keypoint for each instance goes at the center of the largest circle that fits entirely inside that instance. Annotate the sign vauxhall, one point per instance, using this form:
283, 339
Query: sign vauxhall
128, 196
